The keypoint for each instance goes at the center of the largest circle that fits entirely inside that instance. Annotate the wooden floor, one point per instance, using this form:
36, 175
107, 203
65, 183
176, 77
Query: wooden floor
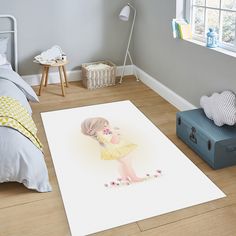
27, 213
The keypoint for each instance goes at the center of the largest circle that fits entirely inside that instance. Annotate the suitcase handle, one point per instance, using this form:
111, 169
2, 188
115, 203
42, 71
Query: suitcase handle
179, 121
209, 145
192, 136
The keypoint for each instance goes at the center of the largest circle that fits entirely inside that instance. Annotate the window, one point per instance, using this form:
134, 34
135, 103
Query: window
217, 14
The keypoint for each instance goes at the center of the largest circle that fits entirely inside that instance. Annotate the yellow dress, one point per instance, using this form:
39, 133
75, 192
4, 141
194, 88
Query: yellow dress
111, 151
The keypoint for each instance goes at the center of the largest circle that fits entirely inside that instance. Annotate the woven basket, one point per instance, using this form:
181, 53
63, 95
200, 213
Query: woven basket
99, 78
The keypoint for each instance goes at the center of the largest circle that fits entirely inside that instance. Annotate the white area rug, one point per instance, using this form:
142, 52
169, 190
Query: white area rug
160, 178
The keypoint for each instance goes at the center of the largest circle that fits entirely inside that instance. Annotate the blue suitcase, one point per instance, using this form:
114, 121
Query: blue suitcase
216, 145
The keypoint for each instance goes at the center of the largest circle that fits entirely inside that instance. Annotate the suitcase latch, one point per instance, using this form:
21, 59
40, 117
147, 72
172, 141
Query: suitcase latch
192, 135
231, 149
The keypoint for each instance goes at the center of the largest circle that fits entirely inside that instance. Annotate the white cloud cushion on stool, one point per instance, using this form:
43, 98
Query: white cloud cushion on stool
220, 107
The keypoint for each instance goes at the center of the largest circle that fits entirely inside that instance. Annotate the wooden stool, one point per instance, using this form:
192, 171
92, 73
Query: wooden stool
62, 73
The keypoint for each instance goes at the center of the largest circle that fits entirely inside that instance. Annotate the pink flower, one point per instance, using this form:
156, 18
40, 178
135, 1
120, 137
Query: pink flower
107, 131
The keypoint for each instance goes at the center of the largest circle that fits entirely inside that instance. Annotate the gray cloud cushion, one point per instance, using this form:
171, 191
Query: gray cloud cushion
220, 107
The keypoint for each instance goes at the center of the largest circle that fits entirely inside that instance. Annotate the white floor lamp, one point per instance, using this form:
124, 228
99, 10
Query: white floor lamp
124, 15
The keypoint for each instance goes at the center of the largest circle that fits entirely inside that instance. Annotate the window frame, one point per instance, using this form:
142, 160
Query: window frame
189, 6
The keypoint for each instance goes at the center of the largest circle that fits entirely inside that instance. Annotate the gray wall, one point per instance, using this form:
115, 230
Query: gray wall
87, 30
188, 69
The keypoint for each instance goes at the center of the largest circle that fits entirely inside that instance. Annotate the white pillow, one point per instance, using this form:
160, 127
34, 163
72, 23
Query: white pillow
19, 82
220, 107
3, 45
3, 59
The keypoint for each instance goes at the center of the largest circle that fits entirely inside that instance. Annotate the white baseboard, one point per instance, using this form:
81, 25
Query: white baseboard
129, 70
169, 95
74, 75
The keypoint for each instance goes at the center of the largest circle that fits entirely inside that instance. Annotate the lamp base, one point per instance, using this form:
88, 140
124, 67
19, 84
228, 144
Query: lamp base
123, 70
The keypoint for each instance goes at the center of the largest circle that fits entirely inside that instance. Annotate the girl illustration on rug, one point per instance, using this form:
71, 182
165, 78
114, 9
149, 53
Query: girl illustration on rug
114, 147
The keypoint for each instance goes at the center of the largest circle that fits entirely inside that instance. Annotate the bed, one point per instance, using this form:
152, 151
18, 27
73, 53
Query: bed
20, 160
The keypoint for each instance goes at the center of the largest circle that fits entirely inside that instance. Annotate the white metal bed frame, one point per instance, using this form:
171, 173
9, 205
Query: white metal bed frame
13, 31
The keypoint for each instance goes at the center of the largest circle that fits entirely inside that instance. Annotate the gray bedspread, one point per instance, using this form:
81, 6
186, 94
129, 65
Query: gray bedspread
20, 159
7, 88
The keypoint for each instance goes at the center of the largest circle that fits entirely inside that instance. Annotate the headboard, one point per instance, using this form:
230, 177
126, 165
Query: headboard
8, 28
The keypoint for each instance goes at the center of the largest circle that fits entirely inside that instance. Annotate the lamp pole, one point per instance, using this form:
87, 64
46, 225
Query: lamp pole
127, 50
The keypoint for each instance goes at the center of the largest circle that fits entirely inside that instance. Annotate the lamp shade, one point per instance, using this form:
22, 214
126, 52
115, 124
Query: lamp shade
124, 14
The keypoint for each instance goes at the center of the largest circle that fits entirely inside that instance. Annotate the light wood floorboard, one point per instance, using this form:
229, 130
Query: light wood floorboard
27, 213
